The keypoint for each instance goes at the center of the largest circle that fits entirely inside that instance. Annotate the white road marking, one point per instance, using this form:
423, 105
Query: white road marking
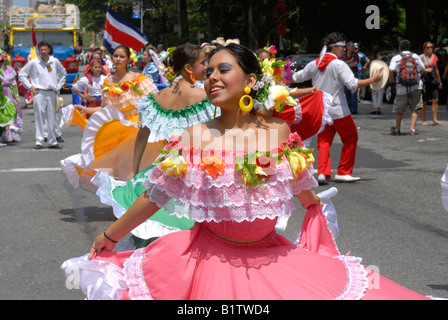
30, 169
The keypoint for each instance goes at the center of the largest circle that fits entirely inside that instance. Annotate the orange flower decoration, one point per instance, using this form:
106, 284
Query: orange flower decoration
214, 166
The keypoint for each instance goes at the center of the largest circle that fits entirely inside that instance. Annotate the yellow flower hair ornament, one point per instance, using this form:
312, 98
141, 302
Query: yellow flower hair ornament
272, 93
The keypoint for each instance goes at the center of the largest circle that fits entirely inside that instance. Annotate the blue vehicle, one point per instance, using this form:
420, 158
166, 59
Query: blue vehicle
59, 28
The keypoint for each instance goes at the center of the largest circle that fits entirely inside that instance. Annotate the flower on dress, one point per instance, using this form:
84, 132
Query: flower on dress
174, 166
266, 165
125, 86
213, 165
299, 162
256, 167
299, 159
114, 90
172, 163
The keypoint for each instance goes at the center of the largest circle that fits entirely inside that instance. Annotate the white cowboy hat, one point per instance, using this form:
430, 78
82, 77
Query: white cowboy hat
219, 41
59, 103
379, 66
229, 41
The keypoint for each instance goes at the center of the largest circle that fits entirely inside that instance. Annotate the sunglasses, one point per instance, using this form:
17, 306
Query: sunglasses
429, 47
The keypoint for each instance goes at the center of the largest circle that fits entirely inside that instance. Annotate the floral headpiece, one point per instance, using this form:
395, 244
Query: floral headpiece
272, 85
133, 57
168, 71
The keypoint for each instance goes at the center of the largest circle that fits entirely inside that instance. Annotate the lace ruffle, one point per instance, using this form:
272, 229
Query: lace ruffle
164, 123
444, 185
106, 186
199, 197
357, 281
130, 97
133, 275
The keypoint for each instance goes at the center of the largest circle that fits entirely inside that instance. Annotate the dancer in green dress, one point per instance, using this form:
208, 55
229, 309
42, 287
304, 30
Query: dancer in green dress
8, 110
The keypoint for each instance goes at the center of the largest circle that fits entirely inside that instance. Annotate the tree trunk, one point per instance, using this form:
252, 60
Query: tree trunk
211, 23
183, 19
416, 23
253, 40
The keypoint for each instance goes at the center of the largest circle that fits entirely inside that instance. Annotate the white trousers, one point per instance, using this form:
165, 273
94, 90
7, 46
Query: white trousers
377, 98
44, 116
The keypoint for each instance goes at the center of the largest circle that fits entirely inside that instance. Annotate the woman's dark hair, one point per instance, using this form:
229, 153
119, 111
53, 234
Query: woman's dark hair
184, 54
123, 47
245, 58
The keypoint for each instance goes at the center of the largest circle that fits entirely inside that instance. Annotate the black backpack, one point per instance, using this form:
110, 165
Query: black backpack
408, 74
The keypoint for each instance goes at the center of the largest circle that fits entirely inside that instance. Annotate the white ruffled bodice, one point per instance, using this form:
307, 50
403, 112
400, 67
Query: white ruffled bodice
189, 184
163, 123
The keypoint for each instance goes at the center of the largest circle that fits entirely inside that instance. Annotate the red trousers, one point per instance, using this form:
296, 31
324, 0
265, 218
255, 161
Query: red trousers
346, 129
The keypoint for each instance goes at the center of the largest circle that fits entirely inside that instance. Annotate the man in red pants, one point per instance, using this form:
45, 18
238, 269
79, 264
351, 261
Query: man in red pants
330, 74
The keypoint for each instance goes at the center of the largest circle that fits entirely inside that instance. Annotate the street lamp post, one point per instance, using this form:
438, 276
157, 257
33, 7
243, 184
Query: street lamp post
142, 12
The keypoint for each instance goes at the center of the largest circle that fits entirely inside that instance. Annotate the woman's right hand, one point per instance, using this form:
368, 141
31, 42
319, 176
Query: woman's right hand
99, 244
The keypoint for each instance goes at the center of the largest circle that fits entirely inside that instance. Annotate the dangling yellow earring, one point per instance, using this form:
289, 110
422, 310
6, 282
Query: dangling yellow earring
246, 107
192, 78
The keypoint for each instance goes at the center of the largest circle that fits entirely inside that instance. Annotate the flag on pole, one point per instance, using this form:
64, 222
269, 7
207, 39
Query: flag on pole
119, 31
33, 52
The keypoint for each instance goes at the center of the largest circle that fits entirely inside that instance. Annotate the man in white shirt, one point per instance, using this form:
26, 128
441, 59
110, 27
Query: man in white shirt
44, 76
405, 96
330, 75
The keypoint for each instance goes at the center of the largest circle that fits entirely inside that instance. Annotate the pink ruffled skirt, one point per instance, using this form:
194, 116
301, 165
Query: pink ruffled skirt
198, 265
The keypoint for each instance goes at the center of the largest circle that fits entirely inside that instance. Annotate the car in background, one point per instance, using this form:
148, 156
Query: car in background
299, 62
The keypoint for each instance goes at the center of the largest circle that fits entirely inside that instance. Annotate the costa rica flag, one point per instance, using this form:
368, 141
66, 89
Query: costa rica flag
119, 31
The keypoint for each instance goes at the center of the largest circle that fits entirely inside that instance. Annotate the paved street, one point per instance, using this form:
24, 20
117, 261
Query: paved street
393, 218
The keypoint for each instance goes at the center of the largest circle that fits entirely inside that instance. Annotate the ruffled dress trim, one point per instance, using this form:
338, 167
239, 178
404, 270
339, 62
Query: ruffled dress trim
82, 161
79, 168
123, 275
106, 186
8, 112
444, 185
129, 97
184, 265
164, 123
199, 197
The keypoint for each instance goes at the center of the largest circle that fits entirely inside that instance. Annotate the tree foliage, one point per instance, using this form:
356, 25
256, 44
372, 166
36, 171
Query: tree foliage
252, 21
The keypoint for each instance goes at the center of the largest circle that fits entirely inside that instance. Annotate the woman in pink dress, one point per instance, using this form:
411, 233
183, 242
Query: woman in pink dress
235, 176
13, 132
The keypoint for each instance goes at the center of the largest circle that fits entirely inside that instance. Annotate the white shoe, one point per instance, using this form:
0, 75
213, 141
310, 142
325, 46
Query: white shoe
345, 178
15, 129
321, 179
3, 144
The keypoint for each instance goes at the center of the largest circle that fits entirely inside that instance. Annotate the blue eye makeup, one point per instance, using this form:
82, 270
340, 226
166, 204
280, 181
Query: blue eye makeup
208, 72
223, 68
